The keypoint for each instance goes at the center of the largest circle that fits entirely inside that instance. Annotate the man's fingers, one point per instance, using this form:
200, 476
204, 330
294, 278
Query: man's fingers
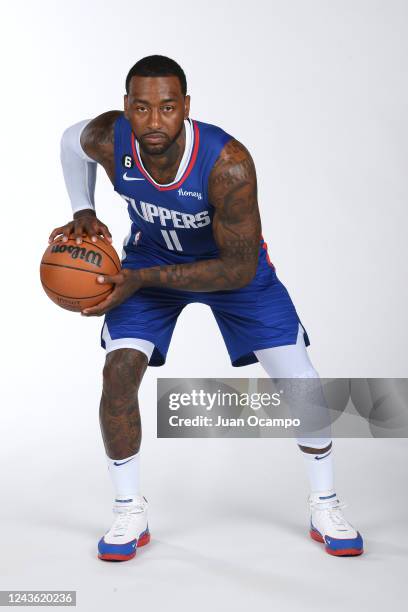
78, 231
105, 232
110, 301
54, 233
66, 233
99, 309
115, 280
92, 230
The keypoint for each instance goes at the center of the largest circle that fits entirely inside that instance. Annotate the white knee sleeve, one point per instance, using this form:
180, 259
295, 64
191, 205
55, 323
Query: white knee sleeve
305, 400
289, 361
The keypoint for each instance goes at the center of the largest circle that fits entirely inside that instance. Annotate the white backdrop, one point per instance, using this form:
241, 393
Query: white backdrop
317, 91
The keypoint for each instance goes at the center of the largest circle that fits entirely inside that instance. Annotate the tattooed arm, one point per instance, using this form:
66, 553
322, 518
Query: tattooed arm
97, 140
236, 223
237, 232
236, 228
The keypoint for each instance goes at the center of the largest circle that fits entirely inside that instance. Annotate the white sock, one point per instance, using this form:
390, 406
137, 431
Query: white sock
320, 471
125, 474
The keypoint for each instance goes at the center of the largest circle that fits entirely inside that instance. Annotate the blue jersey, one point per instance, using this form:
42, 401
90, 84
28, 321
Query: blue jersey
170, 223
173, 224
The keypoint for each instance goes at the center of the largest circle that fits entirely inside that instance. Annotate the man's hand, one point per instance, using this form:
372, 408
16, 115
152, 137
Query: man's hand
84, 222
126, 283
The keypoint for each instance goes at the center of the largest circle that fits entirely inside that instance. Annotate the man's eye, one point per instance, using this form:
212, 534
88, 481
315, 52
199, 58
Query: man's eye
140, 109
168, 108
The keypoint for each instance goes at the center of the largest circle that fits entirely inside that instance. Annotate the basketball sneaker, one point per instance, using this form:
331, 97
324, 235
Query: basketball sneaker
329, 526
129, 530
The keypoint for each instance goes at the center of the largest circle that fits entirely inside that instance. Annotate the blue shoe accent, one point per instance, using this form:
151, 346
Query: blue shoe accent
338, 545
123, 551
117, 549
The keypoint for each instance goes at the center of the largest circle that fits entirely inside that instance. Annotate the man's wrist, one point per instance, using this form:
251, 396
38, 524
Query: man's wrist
138, 277
84, 212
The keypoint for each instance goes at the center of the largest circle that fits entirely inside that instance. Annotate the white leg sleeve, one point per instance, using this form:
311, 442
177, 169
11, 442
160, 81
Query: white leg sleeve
289, 361
307, 401
78, 168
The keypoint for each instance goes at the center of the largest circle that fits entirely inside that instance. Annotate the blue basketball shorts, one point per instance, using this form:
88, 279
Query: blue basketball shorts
258, 316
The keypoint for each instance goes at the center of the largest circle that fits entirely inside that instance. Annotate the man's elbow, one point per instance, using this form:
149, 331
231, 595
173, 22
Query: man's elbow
242, 275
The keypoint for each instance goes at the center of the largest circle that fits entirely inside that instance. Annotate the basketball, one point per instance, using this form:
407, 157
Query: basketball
68, 272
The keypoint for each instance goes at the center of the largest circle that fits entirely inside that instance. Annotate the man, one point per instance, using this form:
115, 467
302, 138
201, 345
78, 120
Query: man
195, 236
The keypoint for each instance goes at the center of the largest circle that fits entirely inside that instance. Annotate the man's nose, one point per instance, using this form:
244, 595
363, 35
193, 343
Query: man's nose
155, 122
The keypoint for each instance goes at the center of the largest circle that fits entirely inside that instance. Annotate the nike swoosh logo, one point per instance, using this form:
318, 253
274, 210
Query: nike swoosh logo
322, 456
123, 462
132, 178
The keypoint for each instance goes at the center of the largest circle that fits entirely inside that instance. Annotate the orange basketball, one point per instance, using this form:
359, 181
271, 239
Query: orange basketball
69, 270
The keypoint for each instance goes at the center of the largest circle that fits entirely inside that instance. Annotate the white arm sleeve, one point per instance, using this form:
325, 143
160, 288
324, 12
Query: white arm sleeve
79, 169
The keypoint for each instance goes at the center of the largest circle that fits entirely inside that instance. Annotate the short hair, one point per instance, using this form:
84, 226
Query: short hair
155, 66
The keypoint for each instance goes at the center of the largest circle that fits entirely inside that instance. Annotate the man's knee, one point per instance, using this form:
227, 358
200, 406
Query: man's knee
123, 370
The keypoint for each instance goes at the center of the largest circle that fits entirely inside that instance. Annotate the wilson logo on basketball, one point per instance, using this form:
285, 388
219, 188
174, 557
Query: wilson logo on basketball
77, 252
68, 272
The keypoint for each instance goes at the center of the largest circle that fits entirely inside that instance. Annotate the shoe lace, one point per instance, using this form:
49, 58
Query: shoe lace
124, 517
334, 512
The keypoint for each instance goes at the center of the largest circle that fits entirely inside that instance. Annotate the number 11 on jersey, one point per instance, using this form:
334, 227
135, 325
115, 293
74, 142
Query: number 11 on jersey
171, 240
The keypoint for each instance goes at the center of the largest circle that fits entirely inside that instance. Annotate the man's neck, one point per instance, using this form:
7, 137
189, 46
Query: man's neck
163, 168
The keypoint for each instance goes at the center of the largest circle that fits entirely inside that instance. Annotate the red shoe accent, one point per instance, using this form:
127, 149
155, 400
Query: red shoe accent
143, 540
347, 552
112, 557
315, 535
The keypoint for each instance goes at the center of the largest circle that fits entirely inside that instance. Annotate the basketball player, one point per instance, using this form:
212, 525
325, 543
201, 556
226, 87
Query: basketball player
195, 236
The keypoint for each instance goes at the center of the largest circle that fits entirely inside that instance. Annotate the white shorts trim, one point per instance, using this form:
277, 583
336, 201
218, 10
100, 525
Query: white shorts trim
139, 344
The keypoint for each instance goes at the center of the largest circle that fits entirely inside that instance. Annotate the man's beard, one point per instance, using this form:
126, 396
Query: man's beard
159, 149
155, 149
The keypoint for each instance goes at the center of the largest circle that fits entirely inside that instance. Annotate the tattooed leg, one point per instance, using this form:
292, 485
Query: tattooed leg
119, 408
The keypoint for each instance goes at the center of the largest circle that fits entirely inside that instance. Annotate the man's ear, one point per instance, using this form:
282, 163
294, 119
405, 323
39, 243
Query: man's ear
186, 107
125, 105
